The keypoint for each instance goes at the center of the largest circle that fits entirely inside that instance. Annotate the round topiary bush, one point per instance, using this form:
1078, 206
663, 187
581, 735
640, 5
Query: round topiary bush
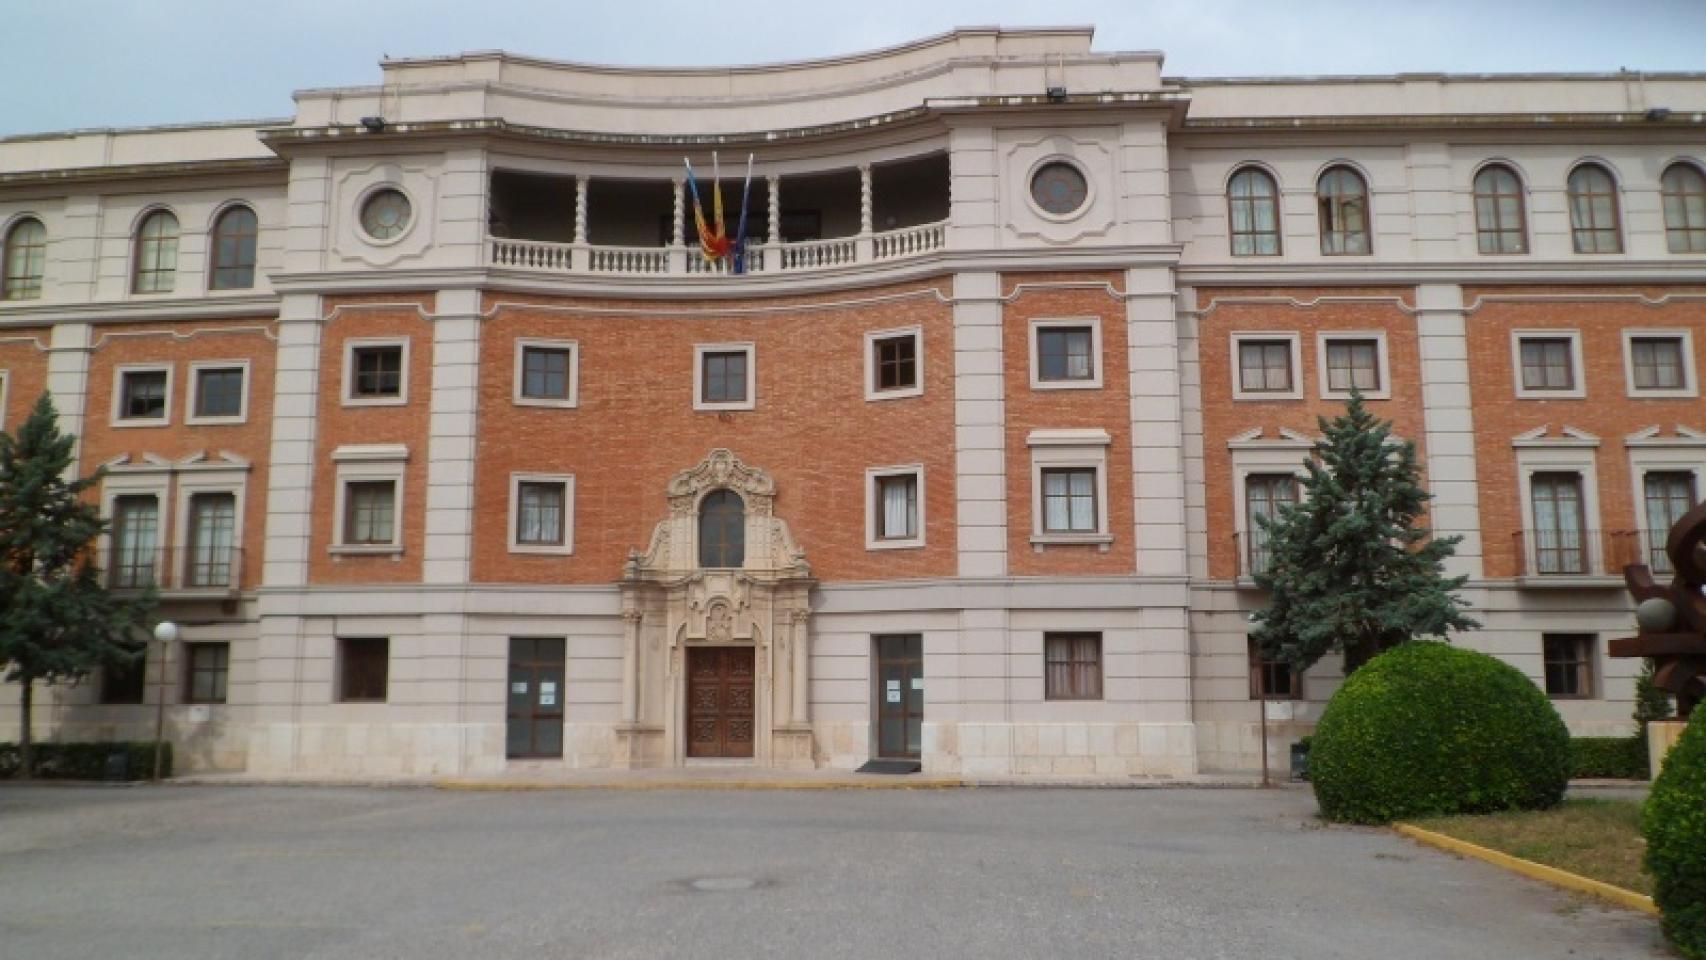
1428, 728
1674, 824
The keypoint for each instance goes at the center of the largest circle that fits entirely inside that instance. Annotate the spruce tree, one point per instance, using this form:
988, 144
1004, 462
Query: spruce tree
57, 621
1350, 570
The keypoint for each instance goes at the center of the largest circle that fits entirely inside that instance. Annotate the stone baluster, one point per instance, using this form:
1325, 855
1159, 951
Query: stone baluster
863, 249
578, 259
773, 248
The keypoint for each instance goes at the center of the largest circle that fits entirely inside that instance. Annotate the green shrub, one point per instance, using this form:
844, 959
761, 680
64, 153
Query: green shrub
1674, 824
1613, 758
1428, 729
87, 761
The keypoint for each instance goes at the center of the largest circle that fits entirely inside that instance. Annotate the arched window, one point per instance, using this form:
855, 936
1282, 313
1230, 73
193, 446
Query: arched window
1342, 198
24, 259
156, 253
1593, 210
1499, 221
1253, 203
1684, 189
722, 530
234, 236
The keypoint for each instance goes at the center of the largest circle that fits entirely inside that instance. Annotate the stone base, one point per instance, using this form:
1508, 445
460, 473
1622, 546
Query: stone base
1662, 735
791, 748
637, 747
1082, 749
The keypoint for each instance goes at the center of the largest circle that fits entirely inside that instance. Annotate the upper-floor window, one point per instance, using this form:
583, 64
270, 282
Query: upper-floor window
156, 253
1342, 198
546, 372
1265, 366
213, 539
1066, 353
722, 530
1548, 364
723, 376
24, 260
135, 543
234, 236
1253, 204
370, 513
1499, 219
144, 395
1593, 210
893, 363
1684, 189
374, 372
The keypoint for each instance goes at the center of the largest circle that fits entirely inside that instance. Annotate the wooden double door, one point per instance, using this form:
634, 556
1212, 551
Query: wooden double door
721, 691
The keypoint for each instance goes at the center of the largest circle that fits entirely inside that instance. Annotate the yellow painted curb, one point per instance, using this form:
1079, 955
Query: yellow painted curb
1532, 870
652, 785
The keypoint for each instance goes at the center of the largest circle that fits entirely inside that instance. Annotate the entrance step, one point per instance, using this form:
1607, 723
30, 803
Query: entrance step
891, 766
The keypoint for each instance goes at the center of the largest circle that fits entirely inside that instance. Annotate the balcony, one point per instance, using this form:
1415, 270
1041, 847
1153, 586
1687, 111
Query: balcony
214, 572
1576, 558
594, 226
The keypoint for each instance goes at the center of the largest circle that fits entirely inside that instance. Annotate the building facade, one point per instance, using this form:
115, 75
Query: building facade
451, 453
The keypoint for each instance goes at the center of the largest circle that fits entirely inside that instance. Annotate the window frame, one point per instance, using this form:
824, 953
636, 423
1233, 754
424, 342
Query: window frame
1587, 677
1276, 198
1292, 340
233, 481
566, 481
1076, 672
873, 518
701, 351
369, 464
120, 371
1649, 453
572, 378
1245, 524
214, 265
699, 528
1034, 335
137, 243
1071, 449
1258, 676
351, 345
1685, 341
1382, 363
105, 697
342, 679
196, 368
36, 282
1687, 228
1520, 195
223, 671
1335, 201
872, 338
1578, 375
1614, 194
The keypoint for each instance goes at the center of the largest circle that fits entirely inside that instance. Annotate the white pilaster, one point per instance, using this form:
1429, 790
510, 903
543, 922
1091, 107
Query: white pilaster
68, 379
1157, 435
450, 438
1191, 426
979, 426
1448, 422
291, 470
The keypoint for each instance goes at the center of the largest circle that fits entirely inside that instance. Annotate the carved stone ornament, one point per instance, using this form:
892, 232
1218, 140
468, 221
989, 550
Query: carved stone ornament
722, 470
719, 624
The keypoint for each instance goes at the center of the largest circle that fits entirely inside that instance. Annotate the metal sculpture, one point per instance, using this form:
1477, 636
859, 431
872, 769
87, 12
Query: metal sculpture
1672, 618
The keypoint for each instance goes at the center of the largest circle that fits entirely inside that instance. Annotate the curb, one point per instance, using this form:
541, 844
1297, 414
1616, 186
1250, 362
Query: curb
520, 786
1628, 899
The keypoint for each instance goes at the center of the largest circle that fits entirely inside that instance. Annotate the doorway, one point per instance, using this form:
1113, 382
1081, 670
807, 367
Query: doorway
535, 715
900, 695
720, 696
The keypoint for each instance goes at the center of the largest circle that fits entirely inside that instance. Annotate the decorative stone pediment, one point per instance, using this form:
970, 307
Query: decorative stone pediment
721, 470
673, 552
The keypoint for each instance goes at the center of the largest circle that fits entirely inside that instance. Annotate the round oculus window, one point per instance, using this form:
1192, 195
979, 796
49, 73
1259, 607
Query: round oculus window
1059, 188
385, 214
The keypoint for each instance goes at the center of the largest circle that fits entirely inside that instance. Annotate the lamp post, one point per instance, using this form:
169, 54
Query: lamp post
165, 631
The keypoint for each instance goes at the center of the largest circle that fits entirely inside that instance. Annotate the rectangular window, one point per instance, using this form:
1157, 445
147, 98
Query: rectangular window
895, 362
1657, 363
376, 372
1548, 363
539, 513
1666, 495
370, 512
1265, 495
1264, 366
1569, 664
1560, 543
218, 392
142, 394
545, 372
124, 682
1072, 666
1353, 363
206, 666
363, 669
723, 376
1069, 500
1272, 679
213, 537
135, 540
1065, 354
897, 507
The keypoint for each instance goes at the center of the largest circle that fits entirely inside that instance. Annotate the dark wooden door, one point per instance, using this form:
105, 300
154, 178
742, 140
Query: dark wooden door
900, 695
535, 712
720, 694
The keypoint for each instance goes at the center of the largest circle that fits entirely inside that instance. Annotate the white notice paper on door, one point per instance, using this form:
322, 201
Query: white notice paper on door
894, 691
547, 694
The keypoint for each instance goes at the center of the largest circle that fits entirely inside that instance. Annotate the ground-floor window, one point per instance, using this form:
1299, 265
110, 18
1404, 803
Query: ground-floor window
1072, 666
206, 667
1569, 664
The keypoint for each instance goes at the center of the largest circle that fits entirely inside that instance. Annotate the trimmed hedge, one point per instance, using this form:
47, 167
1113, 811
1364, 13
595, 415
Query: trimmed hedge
1674, 824
1609, 758
86, 761
1430, 729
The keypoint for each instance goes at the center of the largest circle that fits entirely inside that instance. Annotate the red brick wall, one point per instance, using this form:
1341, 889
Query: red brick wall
23, 357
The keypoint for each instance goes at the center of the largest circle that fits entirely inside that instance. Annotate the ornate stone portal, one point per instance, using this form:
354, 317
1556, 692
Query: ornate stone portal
672, 605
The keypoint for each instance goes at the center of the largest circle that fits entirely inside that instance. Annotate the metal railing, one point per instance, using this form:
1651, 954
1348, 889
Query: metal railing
1576, 553
209, 570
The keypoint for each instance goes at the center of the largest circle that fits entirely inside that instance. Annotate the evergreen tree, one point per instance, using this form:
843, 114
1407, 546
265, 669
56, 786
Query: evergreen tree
1651, 703
57, 621
1349, 569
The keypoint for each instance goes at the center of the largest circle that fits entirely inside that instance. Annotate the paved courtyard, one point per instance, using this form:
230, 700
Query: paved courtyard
256, 872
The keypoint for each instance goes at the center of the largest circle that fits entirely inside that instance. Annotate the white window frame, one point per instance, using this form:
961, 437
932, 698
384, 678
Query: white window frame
522, 344
214, 478
1648, 452
1383, 366
1578, 373
1069, 449
871, 337
1295, 393
350, 346
358, 463
1690, 386
567, 482
699, 351
147, 481
1571, 453
1288, 453
874, 474
193, 400
1037, 326
118, 420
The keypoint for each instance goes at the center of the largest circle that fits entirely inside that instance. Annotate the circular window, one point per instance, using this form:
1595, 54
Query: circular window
385, 215
1059, 188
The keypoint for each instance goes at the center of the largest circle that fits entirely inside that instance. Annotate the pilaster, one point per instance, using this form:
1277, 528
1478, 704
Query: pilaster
1449, 422
979, 426
1157, 434
68, 379
450, 438
291, 471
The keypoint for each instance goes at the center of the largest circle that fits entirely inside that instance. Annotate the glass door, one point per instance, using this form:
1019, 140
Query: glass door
900, 695
535, 712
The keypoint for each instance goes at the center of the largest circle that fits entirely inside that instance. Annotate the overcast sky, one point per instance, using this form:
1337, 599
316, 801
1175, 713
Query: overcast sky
89, 63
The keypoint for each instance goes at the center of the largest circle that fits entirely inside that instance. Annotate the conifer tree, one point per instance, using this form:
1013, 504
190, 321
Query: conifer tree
58, 622
1350, 570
